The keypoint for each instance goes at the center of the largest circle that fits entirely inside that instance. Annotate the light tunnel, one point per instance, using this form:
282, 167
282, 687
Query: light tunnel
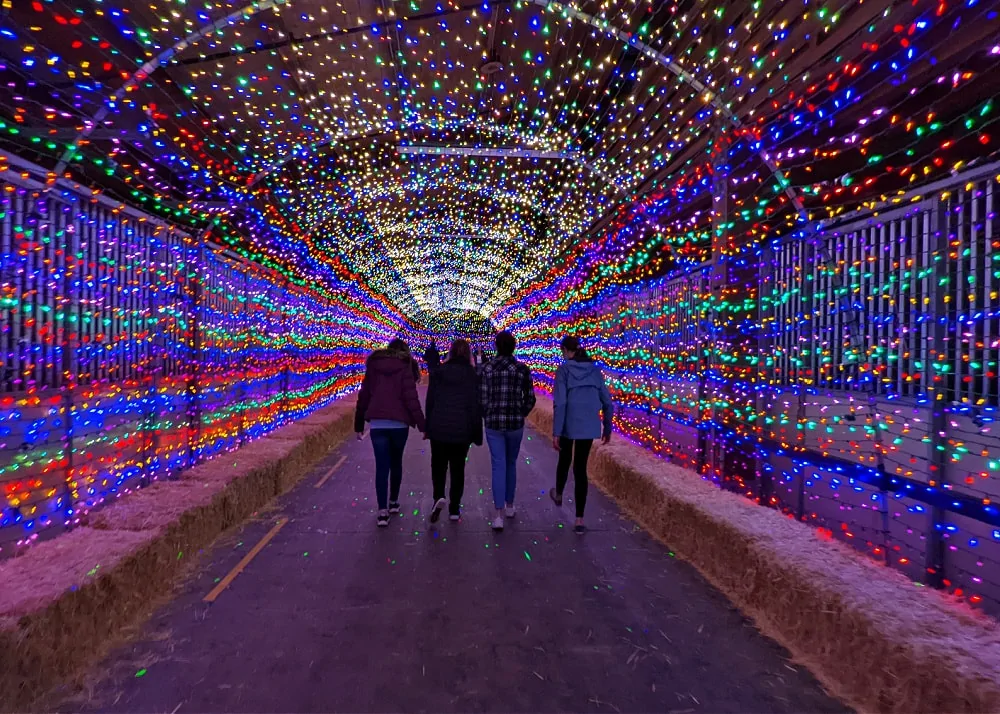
772, 225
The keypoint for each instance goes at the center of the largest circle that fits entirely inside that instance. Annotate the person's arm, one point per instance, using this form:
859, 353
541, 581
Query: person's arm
481, 386
607, 411
559, 406
412, 402
361, 408
527, 393
432, 387
475, 412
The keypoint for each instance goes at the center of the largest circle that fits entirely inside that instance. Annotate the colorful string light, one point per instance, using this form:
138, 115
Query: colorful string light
723, 200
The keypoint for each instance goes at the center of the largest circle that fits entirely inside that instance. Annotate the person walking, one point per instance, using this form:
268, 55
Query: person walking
432, 357
388, 401
454, 422
506, 396
582, 412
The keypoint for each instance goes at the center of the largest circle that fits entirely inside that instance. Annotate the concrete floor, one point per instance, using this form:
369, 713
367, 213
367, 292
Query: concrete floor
335, 615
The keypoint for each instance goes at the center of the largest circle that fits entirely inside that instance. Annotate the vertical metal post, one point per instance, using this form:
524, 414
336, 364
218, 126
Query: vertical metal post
286, 353
807, 257
194, 372
244, 360
704, 363
764, 279
938, 228
157, 359
68, 363
717, 280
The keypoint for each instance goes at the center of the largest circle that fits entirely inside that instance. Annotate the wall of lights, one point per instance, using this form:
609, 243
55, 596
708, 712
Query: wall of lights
131, 350
862, 393
723, 199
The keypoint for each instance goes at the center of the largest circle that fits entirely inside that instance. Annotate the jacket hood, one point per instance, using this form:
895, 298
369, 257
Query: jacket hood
582, 374
388, 361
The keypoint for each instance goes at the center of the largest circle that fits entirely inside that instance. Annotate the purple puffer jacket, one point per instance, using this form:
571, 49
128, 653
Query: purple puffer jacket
389, 391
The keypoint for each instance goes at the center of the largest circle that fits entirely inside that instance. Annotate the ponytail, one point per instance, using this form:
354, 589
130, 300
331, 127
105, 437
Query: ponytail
571, 343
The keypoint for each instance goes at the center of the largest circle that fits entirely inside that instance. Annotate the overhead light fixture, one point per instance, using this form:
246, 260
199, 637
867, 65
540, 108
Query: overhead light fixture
502, 153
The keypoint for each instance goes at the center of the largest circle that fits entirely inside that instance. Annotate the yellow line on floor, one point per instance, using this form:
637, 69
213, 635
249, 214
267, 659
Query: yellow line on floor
329, 473
231, 576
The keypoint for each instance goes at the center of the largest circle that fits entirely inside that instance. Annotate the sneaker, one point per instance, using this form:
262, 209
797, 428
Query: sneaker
393, 506
498, 522
383, 519
556, 498
436, 511
453, 517
579, 529
509, 510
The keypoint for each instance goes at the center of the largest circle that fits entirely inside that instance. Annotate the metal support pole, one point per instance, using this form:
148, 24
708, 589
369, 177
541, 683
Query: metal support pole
937, 235
194, 372
765, 278
285, 353
718, 280
244, 359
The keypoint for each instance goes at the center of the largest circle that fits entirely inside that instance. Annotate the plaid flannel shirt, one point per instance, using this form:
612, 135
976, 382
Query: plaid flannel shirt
506, 393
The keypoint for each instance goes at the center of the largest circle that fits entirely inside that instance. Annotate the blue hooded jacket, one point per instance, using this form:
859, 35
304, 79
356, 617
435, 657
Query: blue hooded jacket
581, 400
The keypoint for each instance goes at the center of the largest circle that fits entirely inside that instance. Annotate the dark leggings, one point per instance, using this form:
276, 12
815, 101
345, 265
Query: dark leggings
577, 451
444, 456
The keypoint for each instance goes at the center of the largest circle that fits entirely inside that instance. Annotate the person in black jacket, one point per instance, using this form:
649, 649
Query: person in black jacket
432, 357
454, 422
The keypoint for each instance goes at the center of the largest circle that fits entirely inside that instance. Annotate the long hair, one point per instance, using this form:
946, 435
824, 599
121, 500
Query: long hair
460, 351
571, 343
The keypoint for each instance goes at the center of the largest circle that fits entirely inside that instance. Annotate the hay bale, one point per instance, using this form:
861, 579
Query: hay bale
54, 597
59, 610
873, 638
152, 508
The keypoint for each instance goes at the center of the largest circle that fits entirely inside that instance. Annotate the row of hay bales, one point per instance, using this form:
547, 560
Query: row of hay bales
870, 635
66, 599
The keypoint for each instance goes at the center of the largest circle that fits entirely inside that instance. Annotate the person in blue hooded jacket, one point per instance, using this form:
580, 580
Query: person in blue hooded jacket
583, 412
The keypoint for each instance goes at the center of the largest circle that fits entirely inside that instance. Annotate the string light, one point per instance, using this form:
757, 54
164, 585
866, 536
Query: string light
606, 146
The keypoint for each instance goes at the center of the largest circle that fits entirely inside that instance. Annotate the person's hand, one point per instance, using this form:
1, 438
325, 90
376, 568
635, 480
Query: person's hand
555, 443
361, 436
606, 439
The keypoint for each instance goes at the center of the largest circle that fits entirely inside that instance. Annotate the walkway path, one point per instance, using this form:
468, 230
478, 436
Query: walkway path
335, 615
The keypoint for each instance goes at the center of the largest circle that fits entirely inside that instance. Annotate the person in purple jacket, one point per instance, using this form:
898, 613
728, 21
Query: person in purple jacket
388, 402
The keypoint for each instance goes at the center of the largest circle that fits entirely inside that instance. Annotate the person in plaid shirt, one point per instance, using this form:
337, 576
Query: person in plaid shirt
507, 396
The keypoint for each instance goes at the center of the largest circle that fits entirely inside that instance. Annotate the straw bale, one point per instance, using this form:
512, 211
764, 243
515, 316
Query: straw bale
152, 508
59, 611
867, 632
57, 565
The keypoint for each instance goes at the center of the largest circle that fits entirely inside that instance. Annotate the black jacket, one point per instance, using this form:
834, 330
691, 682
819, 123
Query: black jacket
432, 357
453, 413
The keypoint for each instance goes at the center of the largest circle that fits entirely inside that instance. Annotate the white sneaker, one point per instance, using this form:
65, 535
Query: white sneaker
498, 522
454, 517
509, 510
436, 511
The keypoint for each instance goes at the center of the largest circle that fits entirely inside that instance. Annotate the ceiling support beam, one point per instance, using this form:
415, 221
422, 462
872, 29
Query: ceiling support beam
710, 97
500, 153
245, 12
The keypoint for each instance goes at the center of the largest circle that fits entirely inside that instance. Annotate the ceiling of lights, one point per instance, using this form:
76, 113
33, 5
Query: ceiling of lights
292, 115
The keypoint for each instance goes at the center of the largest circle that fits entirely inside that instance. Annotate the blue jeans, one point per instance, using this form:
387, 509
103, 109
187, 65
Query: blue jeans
504, 447
388, 445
